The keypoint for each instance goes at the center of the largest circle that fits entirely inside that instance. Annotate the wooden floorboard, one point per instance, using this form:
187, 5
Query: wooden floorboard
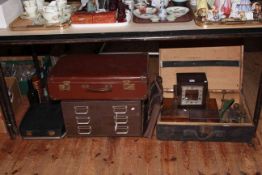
127, 156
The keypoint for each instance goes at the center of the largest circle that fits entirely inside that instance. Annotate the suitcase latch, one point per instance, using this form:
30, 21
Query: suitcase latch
65, 86
127, 85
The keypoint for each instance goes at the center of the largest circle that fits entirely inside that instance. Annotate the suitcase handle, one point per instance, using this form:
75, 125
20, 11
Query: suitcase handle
106, 88
206, 136
198, 135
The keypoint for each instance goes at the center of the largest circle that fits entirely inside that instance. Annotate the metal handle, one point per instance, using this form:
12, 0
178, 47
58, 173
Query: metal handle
121, 119
121, 109
84, 130
198, 135
121, 129
106, 88
204, 136
80, 120
81, 110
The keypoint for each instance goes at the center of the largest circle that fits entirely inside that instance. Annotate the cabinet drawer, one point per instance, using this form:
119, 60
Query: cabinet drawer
103, 118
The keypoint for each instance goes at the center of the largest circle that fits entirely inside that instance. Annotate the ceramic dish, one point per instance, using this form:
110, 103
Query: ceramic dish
140, 5
25, 16
177, 11
171, 17
155, 18
149, 12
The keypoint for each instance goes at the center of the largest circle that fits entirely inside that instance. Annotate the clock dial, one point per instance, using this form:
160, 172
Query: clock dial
192, 95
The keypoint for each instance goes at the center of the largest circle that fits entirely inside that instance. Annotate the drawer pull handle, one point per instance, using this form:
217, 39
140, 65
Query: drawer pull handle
121, 109
121, 129
81, 110
82, 120
121, 119
84, 130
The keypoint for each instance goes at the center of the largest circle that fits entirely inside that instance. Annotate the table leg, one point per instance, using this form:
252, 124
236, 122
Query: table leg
7, 109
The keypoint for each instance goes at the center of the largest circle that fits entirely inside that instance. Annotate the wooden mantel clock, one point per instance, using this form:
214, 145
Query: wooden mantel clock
192, 90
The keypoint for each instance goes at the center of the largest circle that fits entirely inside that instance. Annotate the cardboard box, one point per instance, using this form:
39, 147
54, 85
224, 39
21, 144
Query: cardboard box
15, 98
9, 10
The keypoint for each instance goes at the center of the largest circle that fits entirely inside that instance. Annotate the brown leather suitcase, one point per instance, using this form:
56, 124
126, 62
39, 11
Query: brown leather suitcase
107, 77
103, 118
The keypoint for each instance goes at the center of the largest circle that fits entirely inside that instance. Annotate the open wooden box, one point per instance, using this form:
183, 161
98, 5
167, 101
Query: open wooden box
224, 70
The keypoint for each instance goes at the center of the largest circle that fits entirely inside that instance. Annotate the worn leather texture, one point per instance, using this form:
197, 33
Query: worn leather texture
109, 76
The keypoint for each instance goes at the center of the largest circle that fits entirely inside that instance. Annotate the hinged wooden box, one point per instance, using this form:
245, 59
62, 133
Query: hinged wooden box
223, 67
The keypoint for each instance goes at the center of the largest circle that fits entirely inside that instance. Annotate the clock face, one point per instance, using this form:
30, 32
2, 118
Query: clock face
192, 95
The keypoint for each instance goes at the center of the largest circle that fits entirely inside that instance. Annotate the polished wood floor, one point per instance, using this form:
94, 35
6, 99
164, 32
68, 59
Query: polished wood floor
128, 156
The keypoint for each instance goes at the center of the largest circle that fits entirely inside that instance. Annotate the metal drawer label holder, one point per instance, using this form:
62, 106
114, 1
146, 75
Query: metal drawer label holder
84, 129
82, 120
120, 119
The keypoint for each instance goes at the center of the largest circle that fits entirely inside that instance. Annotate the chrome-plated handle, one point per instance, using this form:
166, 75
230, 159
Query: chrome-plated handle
81, 120
81, 110
121, 129
121, 119
120, 109
84, 130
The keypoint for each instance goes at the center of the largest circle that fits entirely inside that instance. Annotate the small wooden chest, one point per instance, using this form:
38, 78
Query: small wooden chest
230, 75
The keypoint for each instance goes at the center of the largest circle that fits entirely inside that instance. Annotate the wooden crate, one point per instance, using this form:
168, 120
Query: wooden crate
224, 69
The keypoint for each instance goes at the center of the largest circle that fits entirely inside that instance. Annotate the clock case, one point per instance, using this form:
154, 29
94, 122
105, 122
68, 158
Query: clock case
231, 73
191, 89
